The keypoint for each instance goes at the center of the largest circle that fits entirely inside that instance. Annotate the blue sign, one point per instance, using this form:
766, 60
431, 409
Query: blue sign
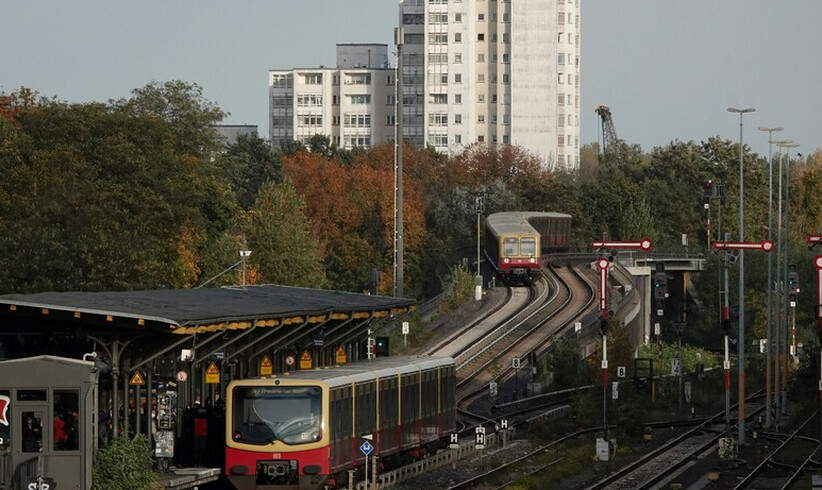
366, 448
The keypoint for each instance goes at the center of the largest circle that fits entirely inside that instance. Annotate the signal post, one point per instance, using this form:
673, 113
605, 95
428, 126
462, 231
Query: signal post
765, 246
604, 265
817, 262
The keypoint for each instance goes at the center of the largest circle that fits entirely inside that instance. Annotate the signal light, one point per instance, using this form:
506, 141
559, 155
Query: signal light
382, 347
603, 326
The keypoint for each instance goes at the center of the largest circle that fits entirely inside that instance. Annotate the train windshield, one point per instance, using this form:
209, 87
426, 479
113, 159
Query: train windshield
510, 246
528, 247
267, 414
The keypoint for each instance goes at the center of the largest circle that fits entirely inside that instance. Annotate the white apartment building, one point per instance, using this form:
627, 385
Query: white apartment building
493, 71
353, 104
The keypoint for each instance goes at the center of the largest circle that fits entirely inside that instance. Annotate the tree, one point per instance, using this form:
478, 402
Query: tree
246, 165
279, 234
97, 196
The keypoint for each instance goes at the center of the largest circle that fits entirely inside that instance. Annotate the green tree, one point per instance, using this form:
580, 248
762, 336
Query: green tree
279, 235
96, 196
125, 464
246, 165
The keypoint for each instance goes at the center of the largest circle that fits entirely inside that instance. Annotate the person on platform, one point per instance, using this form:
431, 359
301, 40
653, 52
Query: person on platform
200, 433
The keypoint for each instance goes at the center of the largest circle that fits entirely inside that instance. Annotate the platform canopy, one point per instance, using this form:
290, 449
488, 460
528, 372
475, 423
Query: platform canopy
189, 311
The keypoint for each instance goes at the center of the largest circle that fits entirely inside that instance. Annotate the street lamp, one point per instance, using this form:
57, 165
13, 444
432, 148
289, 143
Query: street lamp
244, 254
740, 343
768, 373
782, 362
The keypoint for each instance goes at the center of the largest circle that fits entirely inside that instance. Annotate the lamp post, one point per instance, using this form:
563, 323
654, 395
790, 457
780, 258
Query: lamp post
244, 254
782, 363
768, 373
399, 247
740, 342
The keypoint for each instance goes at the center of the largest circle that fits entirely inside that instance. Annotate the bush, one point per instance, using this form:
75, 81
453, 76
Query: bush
125, 464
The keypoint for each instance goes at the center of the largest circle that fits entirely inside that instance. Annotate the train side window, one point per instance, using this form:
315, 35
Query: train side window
510, 246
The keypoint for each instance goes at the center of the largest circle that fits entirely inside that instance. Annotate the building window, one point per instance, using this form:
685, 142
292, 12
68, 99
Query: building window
505, 78
505, 17
310, 100
481, 118
311, 120
437, 58
505, 37
481, 58
358, 99
480, 97
458, 139
481, 78
506, 119
438, 38
438, 119
438, 99
357, 140
480, 37
480, 138
458, 37
390, 120
561, 59
358, 79
391, 100
505, 57
481, 17
494, 98
439, 140
506, 139
457, 78
561, 140
457, 58
458, 17
458, 98
312, 78
358, 120
457, 118
437, 18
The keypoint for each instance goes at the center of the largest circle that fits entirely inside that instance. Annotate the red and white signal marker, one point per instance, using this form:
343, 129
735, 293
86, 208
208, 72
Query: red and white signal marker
603, 265
643, 245
765, 246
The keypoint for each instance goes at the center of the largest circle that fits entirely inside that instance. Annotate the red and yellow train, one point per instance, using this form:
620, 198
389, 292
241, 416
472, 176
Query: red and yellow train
304, 429
515, 241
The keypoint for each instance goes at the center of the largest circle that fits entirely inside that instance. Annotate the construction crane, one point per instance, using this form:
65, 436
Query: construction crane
609, 137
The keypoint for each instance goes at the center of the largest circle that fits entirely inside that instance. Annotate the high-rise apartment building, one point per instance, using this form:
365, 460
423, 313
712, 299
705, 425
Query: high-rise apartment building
353, 104
493, 71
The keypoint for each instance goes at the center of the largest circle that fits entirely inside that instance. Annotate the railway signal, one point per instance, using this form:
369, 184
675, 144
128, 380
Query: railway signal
765, 246
604, 264
643, 244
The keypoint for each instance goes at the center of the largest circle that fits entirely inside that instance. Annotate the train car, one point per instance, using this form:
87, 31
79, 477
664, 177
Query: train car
303, 430
516, 240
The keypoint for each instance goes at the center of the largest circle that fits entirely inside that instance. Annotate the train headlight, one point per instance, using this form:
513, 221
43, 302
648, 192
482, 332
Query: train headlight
506, 260
533, 260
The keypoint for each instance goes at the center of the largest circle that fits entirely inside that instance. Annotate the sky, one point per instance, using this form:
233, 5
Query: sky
667, 69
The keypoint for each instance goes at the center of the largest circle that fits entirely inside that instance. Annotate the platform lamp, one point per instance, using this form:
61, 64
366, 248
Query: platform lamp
769, 334
741, 333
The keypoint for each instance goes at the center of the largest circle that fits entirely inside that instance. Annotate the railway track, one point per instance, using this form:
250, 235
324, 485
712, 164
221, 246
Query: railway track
657, 466
782, 467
